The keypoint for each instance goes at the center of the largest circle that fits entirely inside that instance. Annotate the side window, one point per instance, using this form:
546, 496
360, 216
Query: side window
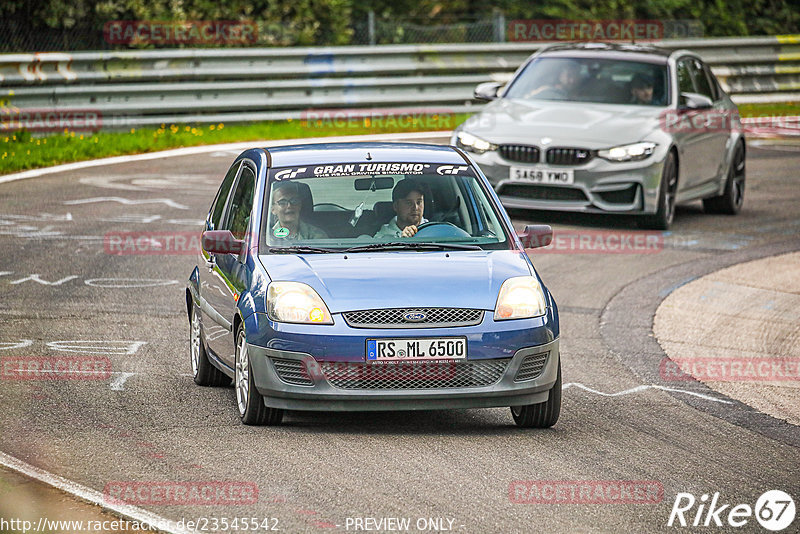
685, 84
218, 206
700, 79
238, 218
712, 80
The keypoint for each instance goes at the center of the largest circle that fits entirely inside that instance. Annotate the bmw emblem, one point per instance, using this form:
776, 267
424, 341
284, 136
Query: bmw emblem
414, 317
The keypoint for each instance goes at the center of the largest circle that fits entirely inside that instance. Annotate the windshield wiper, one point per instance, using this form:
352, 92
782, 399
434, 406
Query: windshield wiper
401, 245
302, 249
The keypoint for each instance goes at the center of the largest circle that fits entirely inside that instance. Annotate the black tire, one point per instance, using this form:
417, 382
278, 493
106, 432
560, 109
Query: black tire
204, 372
544, 414
666, 196
731, 200
250, 403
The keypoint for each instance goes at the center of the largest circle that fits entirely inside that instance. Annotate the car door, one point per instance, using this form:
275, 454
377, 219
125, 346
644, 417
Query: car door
229, 269
213, 290
718, 124
689, 139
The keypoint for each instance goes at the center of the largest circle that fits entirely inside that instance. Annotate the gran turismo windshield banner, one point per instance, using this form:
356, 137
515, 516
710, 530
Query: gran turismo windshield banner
368, 169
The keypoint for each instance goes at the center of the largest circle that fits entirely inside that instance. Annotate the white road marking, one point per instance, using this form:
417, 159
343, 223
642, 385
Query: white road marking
118, 383
127, 511
35, 278
40, 217
10, 345
637, 389
128, 201
97, 346
125, 283
143, 219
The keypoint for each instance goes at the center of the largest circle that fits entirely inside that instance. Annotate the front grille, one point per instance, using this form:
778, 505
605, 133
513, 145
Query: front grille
521, 153
292, 372
394, 318
414, 375
542, 192
532, 366
568, 156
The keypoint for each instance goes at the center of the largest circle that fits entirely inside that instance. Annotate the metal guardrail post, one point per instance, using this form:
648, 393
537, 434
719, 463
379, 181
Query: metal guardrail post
371, 27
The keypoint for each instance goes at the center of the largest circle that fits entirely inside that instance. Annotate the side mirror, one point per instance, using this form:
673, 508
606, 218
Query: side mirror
487, 91
221, 242
536, 235
694, 101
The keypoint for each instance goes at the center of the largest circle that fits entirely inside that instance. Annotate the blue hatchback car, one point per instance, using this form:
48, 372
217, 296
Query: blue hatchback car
370, 276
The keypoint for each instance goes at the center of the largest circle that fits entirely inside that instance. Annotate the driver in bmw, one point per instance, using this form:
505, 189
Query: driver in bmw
408, 201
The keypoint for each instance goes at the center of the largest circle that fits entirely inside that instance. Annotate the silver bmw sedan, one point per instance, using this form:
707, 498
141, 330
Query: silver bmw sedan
611, 128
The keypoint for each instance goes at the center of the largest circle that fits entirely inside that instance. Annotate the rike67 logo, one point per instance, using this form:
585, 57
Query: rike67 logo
774, 510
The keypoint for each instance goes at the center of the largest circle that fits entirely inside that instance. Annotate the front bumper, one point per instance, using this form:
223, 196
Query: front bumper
492, 375
600, 186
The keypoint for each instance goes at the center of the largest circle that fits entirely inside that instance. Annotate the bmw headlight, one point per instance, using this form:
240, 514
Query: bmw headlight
295, 302
634, 152
520, 297
473, 143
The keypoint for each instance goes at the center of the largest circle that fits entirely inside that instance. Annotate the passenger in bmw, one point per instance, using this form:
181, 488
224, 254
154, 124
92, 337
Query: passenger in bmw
287, 207
408, 201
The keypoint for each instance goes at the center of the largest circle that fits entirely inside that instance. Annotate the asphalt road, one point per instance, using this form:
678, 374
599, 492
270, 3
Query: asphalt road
63, 295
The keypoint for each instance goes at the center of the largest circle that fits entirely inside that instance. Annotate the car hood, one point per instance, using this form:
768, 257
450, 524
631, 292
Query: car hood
455, 279
572, 124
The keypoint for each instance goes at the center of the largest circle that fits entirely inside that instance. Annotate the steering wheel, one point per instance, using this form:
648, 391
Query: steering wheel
440, 229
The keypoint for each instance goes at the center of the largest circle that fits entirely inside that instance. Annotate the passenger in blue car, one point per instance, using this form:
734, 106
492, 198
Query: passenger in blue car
408, 201
287, 206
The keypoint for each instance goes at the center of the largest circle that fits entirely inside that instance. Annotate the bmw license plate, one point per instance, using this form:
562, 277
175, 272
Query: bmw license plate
542, 175
412, 349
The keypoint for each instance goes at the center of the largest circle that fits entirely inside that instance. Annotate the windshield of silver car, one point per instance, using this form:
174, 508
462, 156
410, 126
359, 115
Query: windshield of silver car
603, 81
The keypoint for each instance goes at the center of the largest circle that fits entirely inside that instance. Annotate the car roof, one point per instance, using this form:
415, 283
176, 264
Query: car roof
624, 51
373, 152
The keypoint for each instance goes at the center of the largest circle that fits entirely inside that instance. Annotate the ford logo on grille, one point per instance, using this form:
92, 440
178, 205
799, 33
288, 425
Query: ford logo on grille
414, 317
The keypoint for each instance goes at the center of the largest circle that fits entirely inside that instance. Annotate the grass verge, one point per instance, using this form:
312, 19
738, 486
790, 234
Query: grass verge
21, 151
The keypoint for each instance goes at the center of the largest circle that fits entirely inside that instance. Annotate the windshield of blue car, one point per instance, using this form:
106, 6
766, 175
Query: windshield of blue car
369, 206
602, 81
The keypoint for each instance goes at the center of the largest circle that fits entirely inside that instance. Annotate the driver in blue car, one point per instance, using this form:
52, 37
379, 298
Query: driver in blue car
408, 201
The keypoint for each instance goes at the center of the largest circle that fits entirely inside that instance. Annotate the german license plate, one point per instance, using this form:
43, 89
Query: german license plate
412, 349
542, 175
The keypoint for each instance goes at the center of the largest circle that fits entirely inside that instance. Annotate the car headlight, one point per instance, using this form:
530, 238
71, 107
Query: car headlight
634, 152
467, 141
520, 297
295, 302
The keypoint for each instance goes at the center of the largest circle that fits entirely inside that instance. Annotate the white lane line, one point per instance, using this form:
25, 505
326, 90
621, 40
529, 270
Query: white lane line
126, 511
637, 389
128, 202
188, 151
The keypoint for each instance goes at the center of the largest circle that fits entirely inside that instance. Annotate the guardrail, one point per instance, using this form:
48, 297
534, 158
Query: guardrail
133, 88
